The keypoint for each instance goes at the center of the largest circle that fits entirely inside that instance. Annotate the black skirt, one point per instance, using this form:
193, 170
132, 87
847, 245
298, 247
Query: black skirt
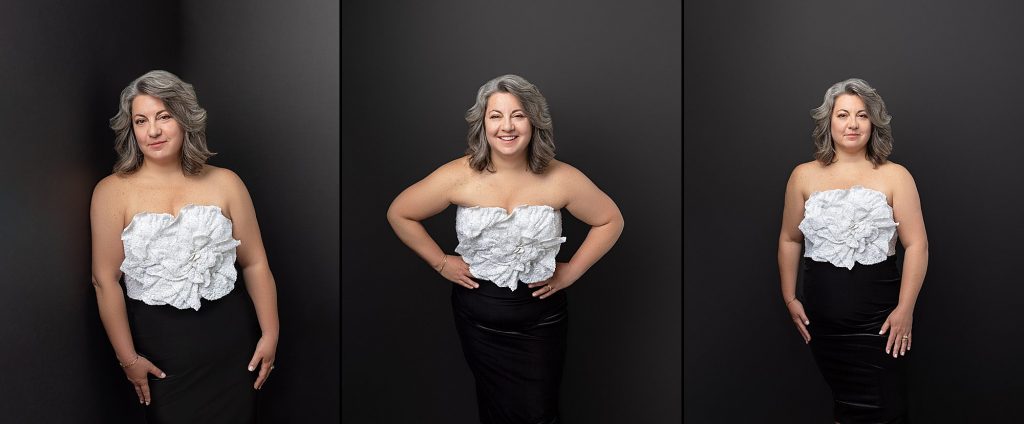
205, 355
847, 309
515, 346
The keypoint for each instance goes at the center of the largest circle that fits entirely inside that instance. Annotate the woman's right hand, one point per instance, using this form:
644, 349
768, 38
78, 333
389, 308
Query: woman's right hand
457, 271
138, 375
796, 312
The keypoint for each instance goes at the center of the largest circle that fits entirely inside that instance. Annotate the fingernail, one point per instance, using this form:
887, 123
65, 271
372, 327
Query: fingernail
807, 323
251, 368
147, 403
162, 375
887, 351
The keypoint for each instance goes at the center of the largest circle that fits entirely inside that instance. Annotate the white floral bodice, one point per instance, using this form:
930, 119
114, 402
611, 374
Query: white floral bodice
176, 261
509, 247
845, 226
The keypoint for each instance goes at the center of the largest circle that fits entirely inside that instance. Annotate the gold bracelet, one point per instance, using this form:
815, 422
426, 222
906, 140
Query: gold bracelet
137, 356
443, 263
790, 301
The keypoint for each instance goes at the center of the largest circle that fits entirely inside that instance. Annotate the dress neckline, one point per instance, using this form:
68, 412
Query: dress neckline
853, 187
506, 211
174, 217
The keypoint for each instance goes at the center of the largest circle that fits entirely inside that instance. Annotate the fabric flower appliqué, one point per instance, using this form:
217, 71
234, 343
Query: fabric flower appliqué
845, 226
179, 260
506, 248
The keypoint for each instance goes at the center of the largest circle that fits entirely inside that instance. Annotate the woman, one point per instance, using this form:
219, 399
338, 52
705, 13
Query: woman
510, 191
847, 208
173, 226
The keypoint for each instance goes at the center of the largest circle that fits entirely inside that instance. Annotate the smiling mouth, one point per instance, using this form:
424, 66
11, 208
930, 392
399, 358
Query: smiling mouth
508, 137
157, 143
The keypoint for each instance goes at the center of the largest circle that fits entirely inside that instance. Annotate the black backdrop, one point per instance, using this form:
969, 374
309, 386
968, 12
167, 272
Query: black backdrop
611, 73
267, 73
950, 74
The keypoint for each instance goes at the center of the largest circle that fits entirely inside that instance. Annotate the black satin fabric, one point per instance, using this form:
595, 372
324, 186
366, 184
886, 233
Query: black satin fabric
204, 354
515, 346
847, 309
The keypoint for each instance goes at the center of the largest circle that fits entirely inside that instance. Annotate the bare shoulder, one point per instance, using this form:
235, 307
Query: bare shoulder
563, 172
110, 188
805, 173
453, 172
221, 177
896, 172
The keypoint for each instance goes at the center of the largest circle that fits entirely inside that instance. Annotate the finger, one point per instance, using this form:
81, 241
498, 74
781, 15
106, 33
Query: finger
466, 282
264, 369
157, 372
256, 357
803, 317
138, 391
910, 340
469, 279
803, 332
890, 342
885, 326
145, 391
903, 345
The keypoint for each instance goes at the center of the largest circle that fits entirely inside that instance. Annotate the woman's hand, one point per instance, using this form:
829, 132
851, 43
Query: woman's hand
563, 277
900, 321
266, 351
138, 374
796, 312
457, 271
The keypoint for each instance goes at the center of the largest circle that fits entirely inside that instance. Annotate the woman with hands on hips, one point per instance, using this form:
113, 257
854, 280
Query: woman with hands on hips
847, 209
193, 345
510, 192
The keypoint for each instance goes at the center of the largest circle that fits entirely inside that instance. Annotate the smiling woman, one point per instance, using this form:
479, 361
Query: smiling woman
510, 193
173, 226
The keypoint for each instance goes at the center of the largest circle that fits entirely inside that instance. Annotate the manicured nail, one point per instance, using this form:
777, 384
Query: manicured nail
251, 368
807, 323
162, 375
147, 403
887, 351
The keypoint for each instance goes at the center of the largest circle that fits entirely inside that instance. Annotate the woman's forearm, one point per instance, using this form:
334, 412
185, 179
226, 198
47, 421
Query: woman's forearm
789, 262
113, 314
412, 233
599, 241
915, 265
263, 292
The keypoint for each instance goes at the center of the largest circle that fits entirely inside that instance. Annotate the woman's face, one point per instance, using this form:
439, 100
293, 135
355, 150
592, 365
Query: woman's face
506, 124
157, 132
851, 127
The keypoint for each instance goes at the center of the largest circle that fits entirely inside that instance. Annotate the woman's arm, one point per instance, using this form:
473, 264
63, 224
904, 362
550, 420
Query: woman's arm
107, 219
589, 204
790, 243
422, 200
906, 204
259, 281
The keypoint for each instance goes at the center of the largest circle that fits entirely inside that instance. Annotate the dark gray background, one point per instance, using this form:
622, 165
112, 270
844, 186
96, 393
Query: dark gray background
951, 76
611, 73
267, 73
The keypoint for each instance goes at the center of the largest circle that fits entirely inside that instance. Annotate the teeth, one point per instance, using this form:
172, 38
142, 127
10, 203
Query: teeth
508, 138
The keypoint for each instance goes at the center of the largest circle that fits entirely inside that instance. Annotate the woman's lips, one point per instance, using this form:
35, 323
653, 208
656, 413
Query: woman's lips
159, 143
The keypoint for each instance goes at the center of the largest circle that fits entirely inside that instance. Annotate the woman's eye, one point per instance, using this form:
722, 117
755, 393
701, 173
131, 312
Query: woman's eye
495, 117
165, 117
139, 122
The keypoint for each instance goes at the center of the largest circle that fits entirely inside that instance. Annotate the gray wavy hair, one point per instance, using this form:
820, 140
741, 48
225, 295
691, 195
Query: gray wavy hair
880, 144
182, 104
541, 150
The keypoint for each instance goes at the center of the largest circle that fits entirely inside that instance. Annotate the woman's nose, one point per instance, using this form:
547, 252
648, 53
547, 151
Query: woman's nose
154, 130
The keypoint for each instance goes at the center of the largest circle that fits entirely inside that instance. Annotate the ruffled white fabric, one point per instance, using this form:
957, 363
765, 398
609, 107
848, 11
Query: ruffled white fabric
178, 260
509, 247
845, 226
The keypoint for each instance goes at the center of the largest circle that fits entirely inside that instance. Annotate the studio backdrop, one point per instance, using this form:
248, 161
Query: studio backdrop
267, 74
950, 74
611, 74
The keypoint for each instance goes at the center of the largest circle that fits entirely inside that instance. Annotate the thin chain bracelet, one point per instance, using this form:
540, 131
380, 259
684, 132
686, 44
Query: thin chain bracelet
137, 356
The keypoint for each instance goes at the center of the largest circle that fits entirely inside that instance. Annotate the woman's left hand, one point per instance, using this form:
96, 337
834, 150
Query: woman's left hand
561, 279
900, 321
266, 350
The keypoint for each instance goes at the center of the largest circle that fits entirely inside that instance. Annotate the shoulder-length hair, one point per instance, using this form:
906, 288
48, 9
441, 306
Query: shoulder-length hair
541, 150
880, 144
182, 104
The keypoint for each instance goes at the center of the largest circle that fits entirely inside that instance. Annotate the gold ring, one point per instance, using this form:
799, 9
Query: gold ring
906, 337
